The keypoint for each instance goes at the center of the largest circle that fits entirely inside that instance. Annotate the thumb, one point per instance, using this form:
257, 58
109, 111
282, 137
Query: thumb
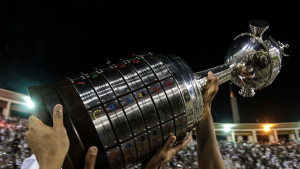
169, 144
179, 147
90, 158
212, 77
58, 116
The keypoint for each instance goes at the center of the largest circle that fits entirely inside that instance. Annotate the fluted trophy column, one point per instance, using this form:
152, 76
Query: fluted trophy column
128, 110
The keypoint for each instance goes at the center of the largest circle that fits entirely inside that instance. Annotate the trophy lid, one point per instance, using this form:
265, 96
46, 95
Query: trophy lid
258, 27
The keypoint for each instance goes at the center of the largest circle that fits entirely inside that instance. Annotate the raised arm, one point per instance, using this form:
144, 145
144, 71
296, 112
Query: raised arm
209, 156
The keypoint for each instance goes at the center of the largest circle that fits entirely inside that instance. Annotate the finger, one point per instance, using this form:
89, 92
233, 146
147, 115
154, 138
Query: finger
179, 147
170, 142
214, 82
210, 76
214, 78
33, 119
90, 158
34, 122
58, 117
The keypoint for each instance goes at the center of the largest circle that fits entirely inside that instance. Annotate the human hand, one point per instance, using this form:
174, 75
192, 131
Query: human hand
211, 88
90, 158
49, 144
165, 154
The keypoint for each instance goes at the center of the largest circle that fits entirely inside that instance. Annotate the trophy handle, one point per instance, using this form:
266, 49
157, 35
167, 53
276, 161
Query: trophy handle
222, 71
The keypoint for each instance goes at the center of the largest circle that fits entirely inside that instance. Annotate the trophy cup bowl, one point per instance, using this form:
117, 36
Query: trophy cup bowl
128, 109
255, 59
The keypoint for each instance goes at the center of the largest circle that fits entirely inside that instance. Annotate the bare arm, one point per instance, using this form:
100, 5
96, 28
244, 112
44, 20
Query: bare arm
209, 156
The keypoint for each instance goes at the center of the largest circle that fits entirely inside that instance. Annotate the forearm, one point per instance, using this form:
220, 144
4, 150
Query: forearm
209, 155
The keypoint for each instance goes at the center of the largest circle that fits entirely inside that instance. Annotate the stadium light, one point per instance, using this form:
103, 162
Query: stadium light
29, 102
267, 127
227, 127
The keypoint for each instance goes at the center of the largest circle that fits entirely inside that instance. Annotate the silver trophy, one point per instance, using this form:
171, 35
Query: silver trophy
128, 110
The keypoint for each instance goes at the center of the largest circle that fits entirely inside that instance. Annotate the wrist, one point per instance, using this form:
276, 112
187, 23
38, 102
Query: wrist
51, 163
207, 105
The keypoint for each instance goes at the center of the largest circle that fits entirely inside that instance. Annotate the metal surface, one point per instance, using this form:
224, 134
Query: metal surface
133, 114
182, 86
129, 153
155, 136
168, 128
118, 120
224, 75
86, 92
143, 70
174, 96
116, 81
181, 127
255, 59
258, 27
103, 127
130, 75
128, 110
147, 108
198, 101
101, 86
142, 146
158, 67
115, 158
160, 101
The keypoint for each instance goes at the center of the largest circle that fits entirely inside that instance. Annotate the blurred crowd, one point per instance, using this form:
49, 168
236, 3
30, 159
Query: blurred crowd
245, 155
236, 155
269, 155
13, 147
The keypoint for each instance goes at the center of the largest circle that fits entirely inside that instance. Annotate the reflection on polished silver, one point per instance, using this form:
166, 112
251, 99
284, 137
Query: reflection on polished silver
258, 27
223, 76
115, 158
282, 46
101, 86
103, 127
255, 59
155, 138
86, 92
247, 92
136, 104
133, 114
129, 153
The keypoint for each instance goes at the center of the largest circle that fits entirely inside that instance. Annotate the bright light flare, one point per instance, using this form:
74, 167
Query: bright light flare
29, 102
245, 47
267, 127
227, 127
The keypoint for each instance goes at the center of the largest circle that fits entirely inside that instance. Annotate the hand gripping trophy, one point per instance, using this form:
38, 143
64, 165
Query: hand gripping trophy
128, 110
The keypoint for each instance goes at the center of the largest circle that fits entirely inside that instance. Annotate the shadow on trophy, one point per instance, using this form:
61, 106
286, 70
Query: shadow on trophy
129, 109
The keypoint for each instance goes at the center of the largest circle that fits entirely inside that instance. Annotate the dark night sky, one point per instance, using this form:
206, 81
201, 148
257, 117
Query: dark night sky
43, 42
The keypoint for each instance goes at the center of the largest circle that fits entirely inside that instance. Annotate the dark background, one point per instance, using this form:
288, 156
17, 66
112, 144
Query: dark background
43, 42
